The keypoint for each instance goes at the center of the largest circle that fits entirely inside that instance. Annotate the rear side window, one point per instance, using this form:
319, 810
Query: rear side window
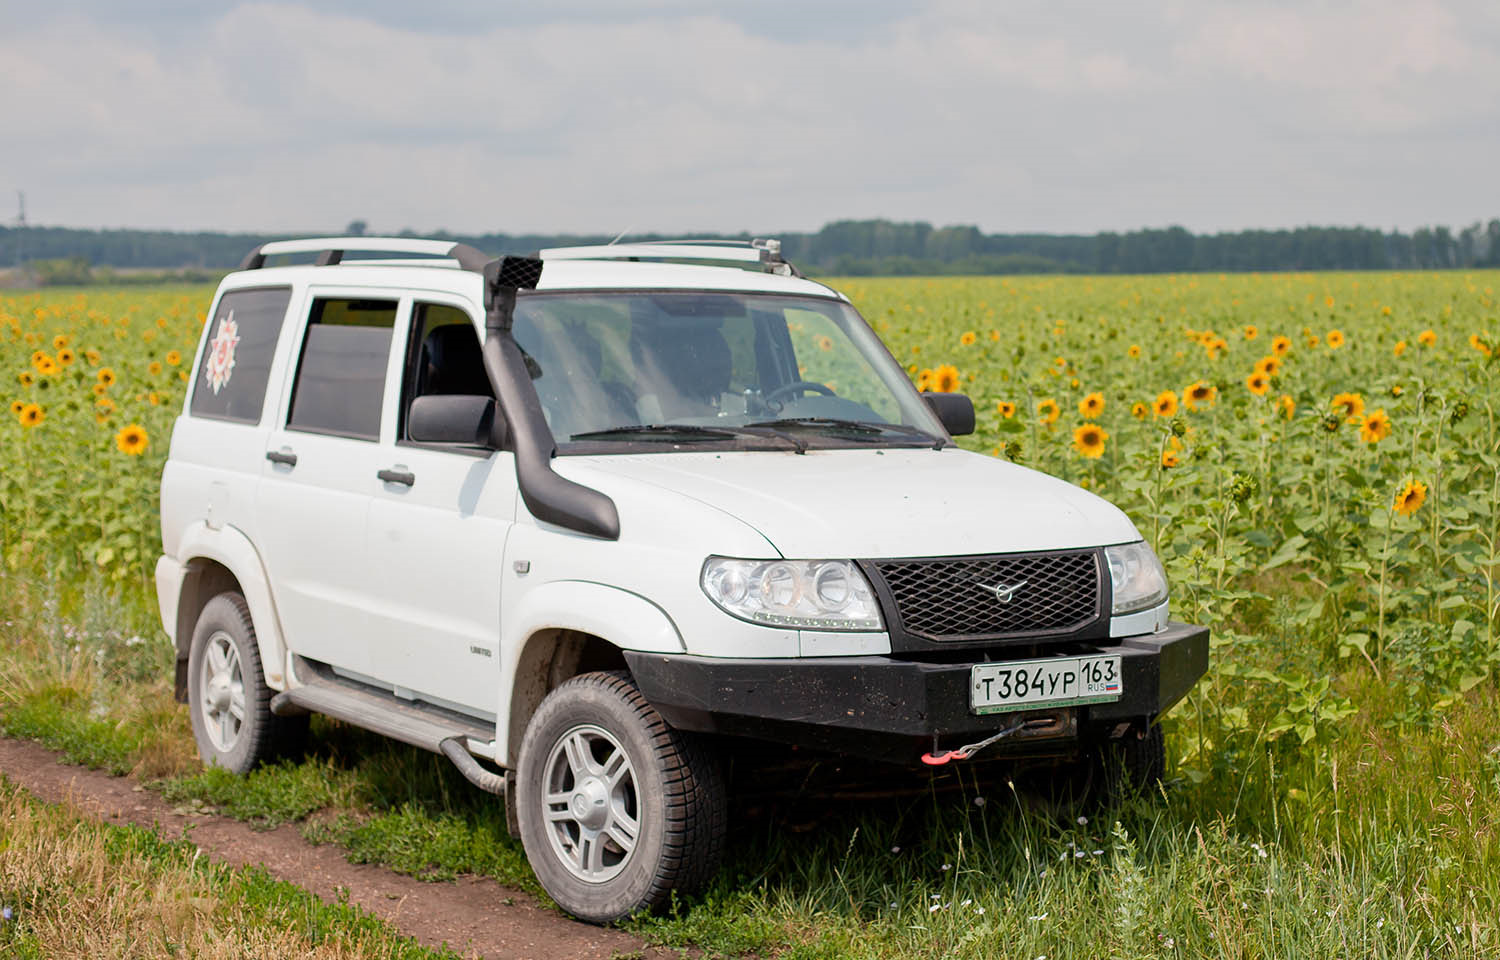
236, 361
341, 374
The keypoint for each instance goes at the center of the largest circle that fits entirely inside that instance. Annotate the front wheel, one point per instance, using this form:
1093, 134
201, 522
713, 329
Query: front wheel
616, 808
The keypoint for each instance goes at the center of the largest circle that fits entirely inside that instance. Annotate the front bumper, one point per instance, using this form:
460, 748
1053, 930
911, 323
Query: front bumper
892, 709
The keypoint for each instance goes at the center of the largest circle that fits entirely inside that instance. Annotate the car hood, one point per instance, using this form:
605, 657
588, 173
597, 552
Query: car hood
872, 502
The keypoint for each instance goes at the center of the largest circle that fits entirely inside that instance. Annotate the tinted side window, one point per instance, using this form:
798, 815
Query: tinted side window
341, 374
236, 360
443, 357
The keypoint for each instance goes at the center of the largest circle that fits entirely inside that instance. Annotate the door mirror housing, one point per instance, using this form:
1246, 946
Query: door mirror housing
454, 418
955, 410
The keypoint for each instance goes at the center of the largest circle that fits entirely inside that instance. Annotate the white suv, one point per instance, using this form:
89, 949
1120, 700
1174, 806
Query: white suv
589, 516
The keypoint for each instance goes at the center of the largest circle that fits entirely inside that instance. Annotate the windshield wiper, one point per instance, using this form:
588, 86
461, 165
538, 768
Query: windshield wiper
852, 426
662, 432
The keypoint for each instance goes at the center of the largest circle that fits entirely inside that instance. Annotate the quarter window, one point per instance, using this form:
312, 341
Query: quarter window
341, 376
236, 360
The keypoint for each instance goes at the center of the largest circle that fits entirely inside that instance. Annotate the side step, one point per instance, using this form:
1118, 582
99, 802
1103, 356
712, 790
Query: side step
416, 723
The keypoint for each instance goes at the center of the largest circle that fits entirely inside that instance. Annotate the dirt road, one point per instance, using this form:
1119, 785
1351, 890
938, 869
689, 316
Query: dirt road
470, 915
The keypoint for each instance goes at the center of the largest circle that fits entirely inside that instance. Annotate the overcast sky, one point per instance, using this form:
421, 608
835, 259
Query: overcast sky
761, 115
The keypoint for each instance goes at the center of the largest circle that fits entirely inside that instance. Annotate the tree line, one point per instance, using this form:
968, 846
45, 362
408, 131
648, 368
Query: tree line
845, 247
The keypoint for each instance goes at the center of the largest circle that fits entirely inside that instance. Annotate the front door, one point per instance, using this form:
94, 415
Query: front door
437, 531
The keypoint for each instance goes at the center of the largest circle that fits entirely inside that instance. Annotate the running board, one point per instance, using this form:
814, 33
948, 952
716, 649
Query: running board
419, 724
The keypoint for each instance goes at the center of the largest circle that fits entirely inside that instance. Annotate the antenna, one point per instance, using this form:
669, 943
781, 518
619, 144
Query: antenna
619, 236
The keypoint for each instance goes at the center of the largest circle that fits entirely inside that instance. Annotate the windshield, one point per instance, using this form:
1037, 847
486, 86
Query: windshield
696, 367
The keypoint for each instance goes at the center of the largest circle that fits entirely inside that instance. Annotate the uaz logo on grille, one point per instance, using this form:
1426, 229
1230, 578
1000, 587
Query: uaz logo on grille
1004, 592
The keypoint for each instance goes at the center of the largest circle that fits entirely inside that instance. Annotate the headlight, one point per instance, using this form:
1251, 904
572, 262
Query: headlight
1137, 577
818, 594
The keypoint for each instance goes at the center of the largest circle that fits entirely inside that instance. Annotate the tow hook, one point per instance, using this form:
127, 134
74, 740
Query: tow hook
936, 759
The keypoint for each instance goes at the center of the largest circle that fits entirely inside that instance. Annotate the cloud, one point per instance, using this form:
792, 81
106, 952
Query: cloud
683, 116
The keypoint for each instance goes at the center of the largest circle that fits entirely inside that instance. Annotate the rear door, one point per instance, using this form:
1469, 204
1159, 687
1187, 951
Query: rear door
322, 456
437, 531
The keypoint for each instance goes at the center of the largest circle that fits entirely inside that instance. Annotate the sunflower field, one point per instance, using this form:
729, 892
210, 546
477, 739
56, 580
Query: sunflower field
1315, 457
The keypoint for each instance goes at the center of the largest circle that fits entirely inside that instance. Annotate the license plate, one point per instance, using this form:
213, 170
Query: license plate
1022, 684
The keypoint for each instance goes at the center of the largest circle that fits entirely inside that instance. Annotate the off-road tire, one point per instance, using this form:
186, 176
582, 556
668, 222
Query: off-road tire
681, 807
261, 736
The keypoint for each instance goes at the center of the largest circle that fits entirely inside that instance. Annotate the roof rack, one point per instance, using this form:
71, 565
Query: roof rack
331, 250
766, 253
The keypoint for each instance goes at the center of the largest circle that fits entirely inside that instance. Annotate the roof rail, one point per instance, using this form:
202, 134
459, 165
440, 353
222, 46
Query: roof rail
766, 253
331, 250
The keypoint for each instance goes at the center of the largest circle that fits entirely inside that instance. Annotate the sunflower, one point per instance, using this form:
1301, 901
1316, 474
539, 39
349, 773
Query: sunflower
1197, 393
174, 358
1258, 383
1286, 405
104, 406
967, 338
1270, 365
99, 389
60, 342
1091, 406
1134, 351
1006, 409
1397, 390
1410, 499
37, 356
105, 376
1477, 342
1335, 339
182, 375
1374, 427
1170, 459
16, 406
31, 414
1089, 439
824, 343
92, 356
924, 380
1427, 338
1047, 411
153, 398
1138, 410
154, 368
945, 378
65, 357
1281, 346
1312, 340
995, 335
26, 377
1399, 348
1251, 331
132, 440
1351, 406
48, 367
1165, 404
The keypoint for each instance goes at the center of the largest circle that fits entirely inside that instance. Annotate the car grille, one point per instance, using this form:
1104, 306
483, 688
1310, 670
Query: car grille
946, 598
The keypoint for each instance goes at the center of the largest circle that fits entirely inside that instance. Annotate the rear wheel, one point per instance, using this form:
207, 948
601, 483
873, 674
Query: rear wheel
616, 808
228, 699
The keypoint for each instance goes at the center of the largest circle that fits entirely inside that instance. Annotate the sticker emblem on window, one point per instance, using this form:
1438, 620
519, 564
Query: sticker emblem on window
221, 354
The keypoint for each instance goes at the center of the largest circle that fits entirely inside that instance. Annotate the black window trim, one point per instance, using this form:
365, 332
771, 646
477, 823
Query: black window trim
203, 344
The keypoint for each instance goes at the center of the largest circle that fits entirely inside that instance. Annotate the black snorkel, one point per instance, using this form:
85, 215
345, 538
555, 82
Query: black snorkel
550, 497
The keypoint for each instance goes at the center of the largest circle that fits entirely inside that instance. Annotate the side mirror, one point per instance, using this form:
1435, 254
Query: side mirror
955, 410
452, 418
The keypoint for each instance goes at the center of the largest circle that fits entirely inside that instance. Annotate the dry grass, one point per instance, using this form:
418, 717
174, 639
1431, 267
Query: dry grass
82, 889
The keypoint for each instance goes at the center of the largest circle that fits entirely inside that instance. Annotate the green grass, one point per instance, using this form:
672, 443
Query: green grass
1384, 845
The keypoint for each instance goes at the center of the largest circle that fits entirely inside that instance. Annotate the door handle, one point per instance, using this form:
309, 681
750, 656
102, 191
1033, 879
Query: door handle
403, 477
282, 456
